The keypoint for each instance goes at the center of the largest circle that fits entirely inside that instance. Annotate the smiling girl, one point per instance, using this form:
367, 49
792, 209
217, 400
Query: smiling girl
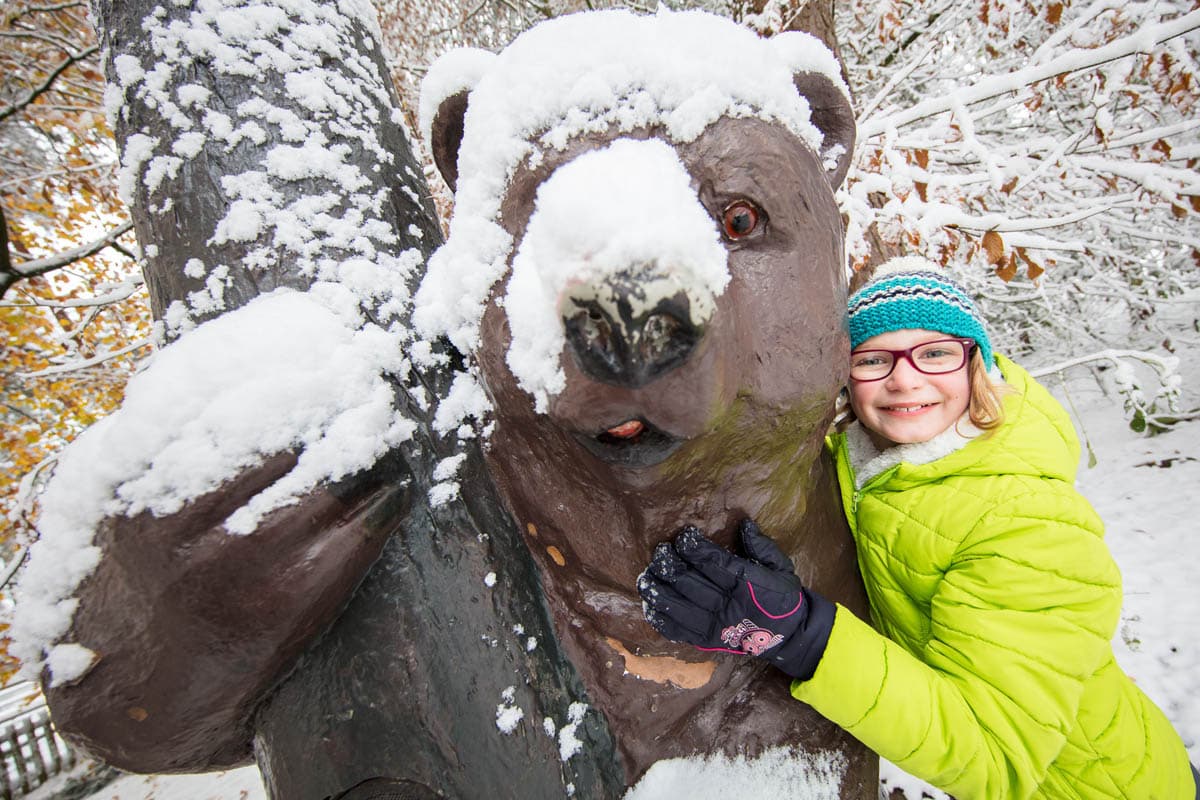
989, 671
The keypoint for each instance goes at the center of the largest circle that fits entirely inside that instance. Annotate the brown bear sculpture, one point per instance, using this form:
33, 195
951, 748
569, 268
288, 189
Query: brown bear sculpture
635, 323
663, 342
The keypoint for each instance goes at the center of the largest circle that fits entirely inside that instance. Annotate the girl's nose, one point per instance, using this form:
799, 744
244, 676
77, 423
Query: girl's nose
904, 375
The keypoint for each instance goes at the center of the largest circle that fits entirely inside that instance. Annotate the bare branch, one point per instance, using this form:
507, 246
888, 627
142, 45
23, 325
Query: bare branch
39, 36
48, 9
11, 273
37, 92
87, 362
17, 560
115, 294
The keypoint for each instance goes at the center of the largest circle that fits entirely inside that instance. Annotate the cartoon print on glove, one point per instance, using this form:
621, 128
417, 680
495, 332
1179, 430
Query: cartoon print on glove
750, 638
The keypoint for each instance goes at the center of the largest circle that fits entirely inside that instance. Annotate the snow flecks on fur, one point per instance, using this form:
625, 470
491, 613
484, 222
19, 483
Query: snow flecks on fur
568, 743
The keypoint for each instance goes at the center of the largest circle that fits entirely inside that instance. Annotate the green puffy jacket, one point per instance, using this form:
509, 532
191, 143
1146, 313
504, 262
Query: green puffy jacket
997, 600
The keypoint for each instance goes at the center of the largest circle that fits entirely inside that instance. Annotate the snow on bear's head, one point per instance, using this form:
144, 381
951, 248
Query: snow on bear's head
642, 202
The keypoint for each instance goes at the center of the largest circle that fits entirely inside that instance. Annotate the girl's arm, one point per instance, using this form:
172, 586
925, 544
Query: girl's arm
1021, 620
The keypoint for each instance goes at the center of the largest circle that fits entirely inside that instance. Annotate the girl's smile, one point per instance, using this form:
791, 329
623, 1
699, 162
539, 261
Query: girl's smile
908, 406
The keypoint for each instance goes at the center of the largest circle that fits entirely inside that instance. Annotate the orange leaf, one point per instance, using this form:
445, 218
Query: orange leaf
921, 190
993, 246
1054, 13
922, 158
1007, 270
1009, 185
1178, 211
1033, 269
1195, 202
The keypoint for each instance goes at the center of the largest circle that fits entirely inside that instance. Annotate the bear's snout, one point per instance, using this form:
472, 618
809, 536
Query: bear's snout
622, 342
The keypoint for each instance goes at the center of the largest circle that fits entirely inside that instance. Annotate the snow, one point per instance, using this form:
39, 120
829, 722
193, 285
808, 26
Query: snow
238, 784
287, 371
508, 714
602, 70
779, 772
568, 743
586, 228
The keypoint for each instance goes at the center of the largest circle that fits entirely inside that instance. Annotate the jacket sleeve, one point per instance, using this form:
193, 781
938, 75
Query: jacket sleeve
1022, 618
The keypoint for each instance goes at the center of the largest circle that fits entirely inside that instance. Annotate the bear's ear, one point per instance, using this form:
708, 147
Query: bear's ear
445, 92
817, 76
445, 136
834, 118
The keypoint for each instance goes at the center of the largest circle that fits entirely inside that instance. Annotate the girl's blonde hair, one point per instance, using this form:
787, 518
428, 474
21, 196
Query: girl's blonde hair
986, 406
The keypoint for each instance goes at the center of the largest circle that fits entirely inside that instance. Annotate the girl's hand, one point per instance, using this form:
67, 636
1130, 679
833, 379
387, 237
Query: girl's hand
701, 594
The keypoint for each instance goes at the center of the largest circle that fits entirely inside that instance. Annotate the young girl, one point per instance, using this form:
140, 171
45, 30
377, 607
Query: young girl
989, 672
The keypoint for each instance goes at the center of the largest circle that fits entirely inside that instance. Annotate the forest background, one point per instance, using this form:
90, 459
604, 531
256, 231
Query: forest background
1045, 152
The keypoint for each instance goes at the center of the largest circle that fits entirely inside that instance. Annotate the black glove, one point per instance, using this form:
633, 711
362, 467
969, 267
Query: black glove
701, 594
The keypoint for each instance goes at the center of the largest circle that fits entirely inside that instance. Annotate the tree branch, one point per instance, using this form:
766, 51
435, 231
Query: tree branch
5, 260
45, 87
11, 273
59, 369
1070, 62
48, 9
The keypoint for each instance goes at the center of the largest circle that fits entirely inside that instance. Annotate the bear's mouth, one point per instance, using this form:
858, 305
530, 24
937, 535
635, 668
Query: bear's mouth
632, 443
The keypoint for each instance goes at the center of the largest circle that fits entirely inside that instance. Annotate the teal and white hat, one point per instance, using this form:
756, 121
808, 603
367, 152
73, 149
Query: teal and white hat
912, 292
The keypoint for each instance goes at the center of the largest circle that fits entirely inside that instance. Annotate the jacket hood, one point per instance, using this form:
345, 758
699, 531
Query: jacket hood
1036, 439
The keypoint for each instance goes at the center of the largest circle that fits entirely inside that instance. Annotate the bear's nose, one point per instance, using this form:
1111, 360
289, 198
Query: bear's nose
613, 344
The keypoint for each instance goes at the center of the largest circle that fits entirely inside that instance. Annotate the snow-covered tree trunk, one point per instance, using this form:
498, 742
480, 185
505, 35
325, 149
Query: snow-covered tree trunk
279, 452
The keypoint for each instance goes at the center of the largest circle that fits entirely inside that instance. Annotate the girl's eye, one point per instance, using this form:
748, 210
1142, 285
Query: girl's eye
741, 218
872, 360
935, 353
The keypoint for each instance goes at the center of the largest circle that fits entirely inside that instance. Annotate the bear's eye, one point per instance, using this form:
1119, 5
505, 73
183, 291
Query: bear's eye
741, 218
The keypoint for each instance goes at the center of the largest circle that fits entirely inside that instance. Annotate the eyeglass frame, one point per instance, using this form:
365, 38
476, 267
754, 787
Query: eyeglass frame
967, 344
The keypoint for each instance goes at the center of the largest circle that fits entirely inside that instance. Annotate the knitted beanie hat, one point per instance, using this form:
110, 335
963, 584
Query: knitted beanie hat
911, 292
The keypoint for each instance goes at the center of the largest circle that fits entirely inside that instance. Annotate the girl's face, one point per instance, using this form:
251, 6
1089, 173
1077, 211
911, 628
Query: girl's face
908, 406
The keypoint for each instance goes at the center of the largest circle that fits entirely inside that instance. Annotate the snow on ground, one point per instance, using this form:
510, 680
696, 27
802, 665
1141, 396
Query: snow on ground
1140, 485
238, 784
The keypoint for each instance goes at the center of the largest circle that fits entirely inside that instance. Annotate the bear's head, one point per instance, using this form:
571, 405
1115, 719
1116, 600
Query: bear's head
645, 271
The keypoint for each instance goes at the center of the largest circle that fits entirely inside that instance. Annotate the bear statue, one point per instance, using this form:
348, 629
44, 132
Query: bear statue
635, 323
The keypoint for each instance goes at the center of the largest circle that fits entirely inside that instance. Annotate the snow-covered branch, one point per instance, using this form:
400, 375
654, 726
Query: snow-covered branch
1143, 41
19, 271
99, 358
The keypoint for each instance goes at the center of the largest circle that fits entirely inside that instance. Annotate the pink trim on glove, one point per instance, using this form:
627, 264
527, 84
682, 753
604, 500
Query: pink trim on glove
799, 603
